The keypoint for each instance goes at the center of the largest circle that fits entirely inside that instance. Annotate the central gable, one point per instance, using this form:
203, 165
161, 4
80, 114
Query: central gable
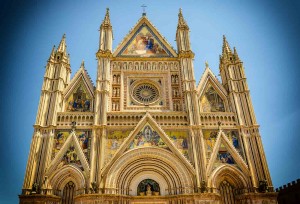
144, 41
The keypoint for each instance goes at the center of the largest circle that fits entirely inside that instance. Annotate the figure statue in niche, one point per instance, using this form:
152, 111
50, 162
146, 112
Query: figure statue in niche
148, 192
114, 92
114, 79
148, 187
172, 79
118, 79
118, 92
113, 106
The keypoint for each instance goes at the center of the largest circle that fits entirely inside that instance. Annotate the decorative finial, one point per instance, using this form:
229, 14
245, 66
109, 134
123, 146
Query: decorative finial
226, 48
206, 64
144, 9
181, 22
82, 63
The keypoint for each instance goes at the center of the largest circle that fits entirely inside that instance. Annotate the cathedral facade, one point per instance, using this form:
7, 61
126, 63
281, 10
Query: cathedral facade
146, 132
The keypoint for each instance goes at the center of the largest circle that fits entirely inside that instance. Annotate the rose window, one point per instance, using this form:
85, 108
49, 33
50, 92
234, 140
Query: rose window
145, 93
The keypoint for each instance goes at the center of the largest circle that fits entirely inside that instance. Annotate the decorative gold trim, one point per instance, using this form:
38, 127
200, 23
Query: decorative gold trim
104, 54
186, 54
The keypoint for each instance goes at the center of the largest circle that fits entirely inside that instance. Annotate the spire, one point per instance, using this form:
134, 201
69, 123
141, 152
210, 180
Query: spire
181, 22
235, 54
62, 45
226, 48
52, 54
106, 21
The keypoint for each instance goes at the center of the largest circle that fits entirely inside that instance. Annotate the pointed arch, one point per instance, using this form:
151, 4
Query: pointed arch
229, 173
60, 177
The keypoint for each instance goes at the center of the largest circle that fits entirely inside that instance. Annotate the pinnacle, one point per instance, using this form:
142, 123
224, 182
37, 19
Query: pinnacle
62, 45
106, 21
226, 48
206, 65
181, 22
52, 53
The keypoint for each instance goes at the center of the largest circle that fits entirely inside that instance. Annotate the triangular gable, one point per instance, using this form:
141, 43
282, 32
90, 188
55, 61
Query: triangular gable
209, 79
70, 147
82, 81
80, 76
144, 41
147, 119
225, 152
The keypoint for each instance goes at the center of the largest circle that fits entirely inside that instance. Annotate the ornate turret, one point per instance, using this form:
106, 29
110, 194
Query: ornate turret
234, 81
183, 36
106, 34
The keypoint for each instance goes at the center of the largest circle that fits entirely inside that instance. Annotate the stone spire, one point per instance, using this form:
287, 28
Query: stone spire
181, 22
106, 21
235, 54
226, 48
52, 55
62, 45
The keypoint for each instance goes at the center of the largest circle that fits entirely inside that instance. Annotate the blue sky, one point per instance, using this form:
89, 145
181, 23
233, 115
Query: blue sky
264, 33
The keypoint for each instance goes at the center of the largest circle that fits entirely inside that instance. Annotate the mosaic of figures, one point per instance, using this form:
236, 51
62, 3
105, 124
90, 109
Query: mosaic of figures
147, 138
84, 138
144, 44
71, 157
210, 137
146, 66
211, 101
180, 140
79, 100
114, 140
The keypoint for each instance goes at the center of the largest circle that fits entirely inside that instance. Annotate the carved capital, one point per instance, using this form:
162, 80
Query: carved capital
186, 54
104, 54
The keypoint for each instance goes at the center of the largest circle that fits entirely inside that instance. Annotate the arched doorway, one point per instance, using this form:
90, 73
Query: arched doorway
68, 193
148, 187
227, 192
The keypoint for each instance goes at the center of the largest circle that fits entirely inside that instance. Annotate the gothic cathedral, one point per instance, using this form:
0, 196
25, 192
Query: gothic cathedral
146, 133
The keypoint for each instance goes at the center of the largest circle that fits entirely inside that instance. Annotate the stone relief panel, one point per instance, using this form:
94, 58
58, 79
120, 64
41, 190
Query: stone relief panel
83, 136
211, 101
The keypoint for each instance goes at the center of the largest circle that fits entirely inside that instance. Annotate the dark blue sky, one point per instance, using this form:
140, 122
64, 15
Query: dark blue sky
266, 35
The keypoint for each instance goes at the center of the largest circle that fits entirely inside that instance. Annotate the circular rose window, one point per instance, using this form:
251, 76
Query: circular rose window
145, 93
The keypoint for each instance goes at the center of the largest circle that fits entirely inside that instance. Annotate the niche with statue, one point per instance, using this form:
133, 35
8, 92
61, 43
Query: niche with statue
148, 187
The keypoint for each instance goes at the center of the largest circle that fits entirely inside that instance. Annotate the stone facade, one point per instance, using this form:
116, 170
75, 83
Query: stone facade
146, 133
